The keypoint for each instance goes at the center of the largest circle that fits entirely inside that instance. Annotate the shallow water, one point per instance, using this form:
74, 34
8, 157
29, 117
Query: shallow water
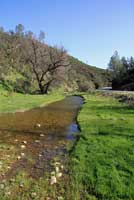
42, 132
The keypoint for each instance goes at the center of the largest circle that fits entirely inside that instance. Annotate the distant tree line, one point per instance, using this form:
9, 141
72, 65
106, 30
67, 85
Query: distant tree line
27, 63
122, 70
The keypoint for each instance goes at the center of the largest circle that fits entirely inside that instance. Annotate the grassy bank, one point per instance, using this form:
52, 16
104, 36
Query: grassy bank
11, 102
103, 159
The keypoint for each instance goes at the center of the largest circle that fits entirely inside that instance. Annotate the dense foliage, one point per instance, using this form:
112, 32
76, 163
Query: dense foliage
123, 72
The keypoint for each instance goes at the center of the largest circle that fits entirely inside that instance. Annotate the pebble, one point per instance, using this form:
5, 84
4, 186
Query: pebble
38, 125
53, 173
57, 163
22, 154
37, 141
53, 180
59, 175
60, 198
41, 135
23, 146
33, 194
57, 169
19, 157
25, 142
8, 193
12, 180
62, 166
21, 185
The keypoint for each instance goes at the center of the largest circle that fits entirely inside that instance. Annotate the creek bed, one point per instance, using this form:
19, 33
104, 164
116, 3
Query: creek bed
30, 140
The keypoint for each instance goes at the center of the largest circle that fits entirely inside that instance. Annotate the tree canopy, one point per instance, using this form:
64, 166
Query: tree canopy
123, 72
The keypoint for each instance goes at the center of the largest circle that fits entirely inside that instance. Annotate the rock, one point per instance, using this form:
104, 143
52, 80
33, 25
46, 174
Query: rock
53, 180
23, 146
53, 173
57, 169
41, 135
60, 198
21, 185
12, 180
19, 157
33, 194
59, 175
25, 142
62, 167
37, 141
57, 163
8, 193
22, 154
38, 125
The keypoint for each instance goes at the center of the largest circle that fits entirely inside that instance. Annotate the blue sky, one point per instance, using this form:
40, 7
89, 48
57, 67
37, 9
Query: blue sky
90, 30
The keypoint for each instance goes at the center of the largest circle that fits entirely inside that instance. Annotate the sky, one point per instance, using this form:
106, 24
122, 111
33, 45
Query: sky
90, 30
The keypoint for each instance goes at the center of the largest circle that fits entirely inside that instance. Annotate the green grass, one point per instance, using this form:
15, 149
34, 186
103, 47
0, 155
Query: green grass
11, 102
102, 161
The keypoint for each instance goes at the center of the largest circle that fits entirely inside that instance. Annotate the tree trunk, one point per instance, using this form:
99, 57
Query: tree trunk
46, 86
41, 88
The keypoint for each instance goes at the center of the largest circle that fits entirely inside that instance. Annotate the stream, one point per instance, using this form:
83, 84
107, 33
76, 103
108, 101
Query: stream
30, 140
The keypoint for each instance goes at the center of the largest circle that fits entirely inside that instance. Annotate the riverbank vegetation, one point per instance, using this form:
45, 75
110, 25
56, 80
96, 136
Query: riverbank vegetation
102, 159
123, 72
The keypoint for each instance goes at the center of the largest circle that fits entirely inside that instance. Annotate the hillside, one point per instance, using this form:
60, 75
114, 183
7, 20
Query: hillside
29, 65
86, 77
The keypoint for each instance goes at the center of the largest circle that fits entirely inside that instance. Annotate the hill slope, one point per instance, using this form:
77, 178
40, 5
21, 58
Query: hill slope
17, 53
86, 77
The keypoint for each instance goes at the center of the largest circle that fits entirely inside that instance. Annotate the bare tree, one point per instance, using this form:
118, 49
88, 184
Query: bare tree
47, 63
